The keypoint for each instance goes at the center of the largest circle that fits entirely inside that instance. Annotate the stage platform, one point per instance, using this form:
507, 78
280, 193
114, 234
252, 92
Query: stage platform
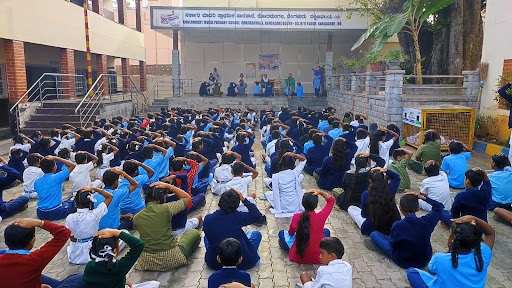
239, 102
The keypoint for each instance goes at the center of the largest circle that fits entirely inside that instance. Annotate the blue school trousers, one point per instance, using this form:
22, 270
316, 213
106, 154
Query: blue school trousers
72, 281
415, 279
56, 213
253, 236
14, 206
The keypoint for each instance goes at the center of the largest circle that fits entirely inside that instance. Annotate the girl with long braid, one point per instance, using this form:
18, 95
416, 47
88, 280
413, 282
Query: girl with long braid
379, 145
302, 239
104, 271
378, 209
466, 262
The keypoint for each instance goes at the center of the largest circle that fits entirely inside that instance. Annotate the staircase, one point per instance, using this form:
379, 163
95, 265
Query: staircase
310, 102
53, 115
159, 103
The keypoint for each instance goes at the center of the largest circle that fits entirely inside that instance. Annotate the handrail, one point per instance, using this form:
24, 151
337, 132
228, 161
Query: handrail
89, 91
37, 82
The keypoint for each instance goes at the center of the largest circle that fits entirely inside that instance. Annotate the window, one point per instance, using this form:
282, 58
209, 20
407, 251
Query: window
3, 82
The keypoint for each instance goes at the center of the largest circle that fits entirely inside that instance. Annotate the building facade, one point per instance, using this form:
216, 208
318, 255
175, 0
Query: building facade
38, 37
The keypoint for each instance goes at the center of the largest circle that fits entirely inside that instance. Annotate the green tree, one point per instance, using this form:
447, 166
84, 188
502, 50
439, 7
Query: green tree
410, 20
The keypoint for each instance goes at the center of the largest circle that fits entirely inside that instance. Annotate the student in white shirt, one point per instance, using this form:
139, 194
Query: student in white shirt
223, 173
271, 146
362, 143
19, 142
67, 140
436, 187
31, 174
287, 192
336, 273
80, 177
84, 223
241, 184
104, 158
379, 145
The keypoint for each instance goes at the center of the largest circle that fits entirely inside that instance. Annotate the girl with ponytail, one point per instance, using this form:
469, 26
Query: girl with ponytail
104, 158
104, 270
466, 263
379, 145
302, 239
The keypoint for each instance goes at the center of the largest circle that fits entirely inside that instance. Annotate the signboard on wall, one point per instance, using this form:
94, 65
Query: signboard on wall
269, 62
246, 18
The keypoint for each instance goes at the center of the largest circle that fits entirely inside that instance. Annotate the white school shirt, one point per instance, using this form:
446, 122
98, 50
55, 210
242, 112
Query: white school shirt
222, 176
437, 188
106, 165
25, 147
337, 273
98, 144
65, 143
80, 176
264, 131
271, 147
287, 191
241, 184
384, 151
354, 123
83, 225
362, 147
30, 175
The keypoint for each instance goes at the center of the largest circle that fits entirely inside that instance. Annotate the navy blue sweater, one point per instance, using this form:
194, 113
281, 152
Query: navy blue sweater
331, 174
410, 237
17, 162
503, 93
221, 225
227, 275
315, 156
472, 201
244, 151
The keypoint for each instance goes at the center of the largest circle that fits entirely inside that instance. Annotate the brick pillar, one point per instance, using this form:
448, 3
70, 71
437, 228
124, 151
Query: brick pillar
102, 68
138, 17
15, 68
122, 6
97, 7
67, 66
124, 71
143, 76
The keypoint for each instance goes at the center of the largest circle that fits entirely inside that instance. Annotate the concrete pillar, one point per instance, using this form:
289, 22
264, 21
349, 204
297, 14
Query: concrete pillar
122, 6
176, 69
67, 66
124, 71
393, 98
328, 63
102, 68
471, 86
15, 69
98, 6
143, 76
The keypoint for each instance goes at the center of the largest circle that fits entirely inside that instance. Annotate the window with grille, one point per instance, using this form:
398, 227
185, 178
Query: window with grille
3, 81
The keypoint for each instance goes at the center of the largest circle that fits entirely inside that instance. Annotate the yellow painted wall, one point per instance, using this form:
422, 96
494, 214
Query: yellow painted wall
59, 23
269, 3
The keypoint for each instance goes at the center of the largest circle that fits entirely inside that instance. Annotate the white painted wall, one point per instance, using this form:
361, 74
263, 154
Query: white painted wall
497, 47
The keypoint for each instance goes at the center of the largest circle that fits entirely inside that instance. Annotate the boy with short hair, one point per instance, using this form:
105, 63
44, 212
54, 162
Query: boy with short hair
21, 267
402, 157
31, 174
456, 164
362, 143
409, 242
80, 177
501, 182
473, 200
49, 189
437, 188
230, 255
337, 273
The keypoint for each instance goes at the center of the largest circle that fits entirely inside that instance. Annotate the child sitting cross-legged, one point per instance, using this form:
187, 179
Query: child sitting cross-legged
84, 223
336, 273
222, 174
456, 164
230, 255
402, 158
103, 270
437, 188
307, 229
466, 262
409, 243
475, 199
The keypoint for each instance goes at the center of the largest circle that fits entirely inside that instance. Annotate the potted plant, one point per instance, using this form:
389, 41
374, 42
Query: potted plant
371, 59
394, 57
353, 65
337, 65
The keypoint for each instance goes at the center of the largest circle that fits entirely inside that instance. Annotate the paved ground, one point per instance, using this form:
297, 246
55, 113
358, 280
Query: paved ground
370, 269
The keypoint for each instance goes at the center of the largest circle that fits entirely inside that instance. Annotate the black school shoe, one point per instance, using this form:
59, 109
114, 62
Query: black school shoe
261, 222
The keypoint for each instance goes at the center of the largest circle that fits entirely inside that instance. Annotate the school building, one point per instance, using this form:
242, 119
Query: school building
257, 36
38, 37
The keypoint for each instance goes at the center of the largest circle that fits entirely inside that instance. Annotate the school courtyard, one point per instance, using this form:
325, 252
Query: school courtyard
370, 269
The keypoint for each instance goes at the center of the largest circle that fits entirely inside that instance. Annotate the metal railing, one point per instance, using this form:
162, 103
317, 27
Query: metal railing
106, 86
50, 86
164, 86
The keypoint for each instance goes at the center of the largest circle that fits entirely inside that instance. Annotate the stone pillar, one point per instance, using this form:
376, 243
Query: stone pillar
372, 83
393, 98
328, 63
15, 69
122, 6
176, 69
67, 66
97, 7
124, 71
102, 68
471, 87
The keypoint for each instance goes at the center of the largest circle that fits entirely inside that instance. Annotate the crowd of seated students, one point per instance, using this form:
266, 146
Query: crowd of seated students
158, 167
